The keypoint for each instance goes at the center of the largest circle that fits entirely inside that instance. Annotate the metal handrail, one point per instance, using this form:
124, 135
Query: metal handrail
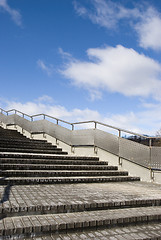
76, 123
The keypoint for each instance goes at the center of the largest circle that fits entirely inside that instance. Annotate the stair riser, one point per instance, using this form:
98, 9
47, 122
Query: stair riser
22, 140
42, 225
9, 137
28, 146
56, 151
56, 162
8, 133
44, 157
61, 174
52, 167
57, 209
6, 181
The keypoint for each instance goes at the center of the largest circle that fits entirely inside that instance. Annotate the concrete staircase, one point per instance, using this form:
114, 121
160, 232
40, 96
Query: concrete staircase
44, 163
33, 204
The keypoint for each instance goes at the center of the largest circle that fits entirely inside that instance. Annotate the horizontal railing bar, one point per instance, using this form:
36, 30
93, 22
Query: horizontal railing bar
83, 122
14, 110
38, 115
60, 120
119, 129
76, 123
2, 110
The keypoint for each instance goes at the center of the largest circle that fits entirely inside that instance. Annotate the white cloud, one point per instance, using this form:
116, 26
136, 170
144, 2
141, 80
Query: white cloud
149, 30
45, 104
146, 121
144, 19
128, 121
15, 15
116, 69
45, 68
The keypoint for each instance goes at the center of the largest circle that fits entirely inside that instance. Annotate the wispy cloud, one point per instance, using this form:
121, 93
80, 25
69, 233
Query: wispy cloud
105, 13
95, 94
64, 54
47, 69
116, 69
144, 19
15, 14
45, 99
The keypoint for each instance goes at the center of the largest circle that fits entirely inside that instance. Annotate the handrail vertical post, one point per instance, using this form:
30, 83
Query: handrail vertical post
150, 144
72, 127
119, 133
57, 122
95, 125
150, 158
44, 116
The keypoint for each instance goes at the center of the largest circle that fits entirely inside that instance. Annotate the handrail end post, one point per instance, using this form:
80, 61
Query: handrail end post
119, 132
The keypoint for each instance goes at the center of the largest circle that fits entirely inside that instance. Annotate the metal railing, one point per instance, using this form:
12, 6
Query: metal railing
147, 156
72, 125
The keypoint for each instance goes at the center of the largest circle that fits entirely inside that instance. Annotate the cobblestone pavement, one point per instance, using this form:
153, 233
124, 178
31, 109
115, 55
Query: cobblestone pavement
19, 197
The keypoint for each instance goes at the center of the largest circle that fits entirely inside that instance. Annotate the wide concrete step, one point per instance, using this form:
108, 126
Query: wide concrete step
30, 150
45, 162
29, 146
36, 224
60, 173
6, 166
31, 207
56, 180
43, 157
11, 136
23, 140
9, 132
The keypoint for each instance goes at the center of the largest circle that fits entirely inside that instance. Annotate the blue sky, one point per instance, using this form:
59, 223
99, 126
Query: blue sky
83, 60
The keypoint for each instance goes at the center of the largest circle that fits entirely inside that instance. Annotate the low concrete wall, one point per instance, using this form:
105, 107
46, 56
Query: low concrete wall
157, 176
136, 170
